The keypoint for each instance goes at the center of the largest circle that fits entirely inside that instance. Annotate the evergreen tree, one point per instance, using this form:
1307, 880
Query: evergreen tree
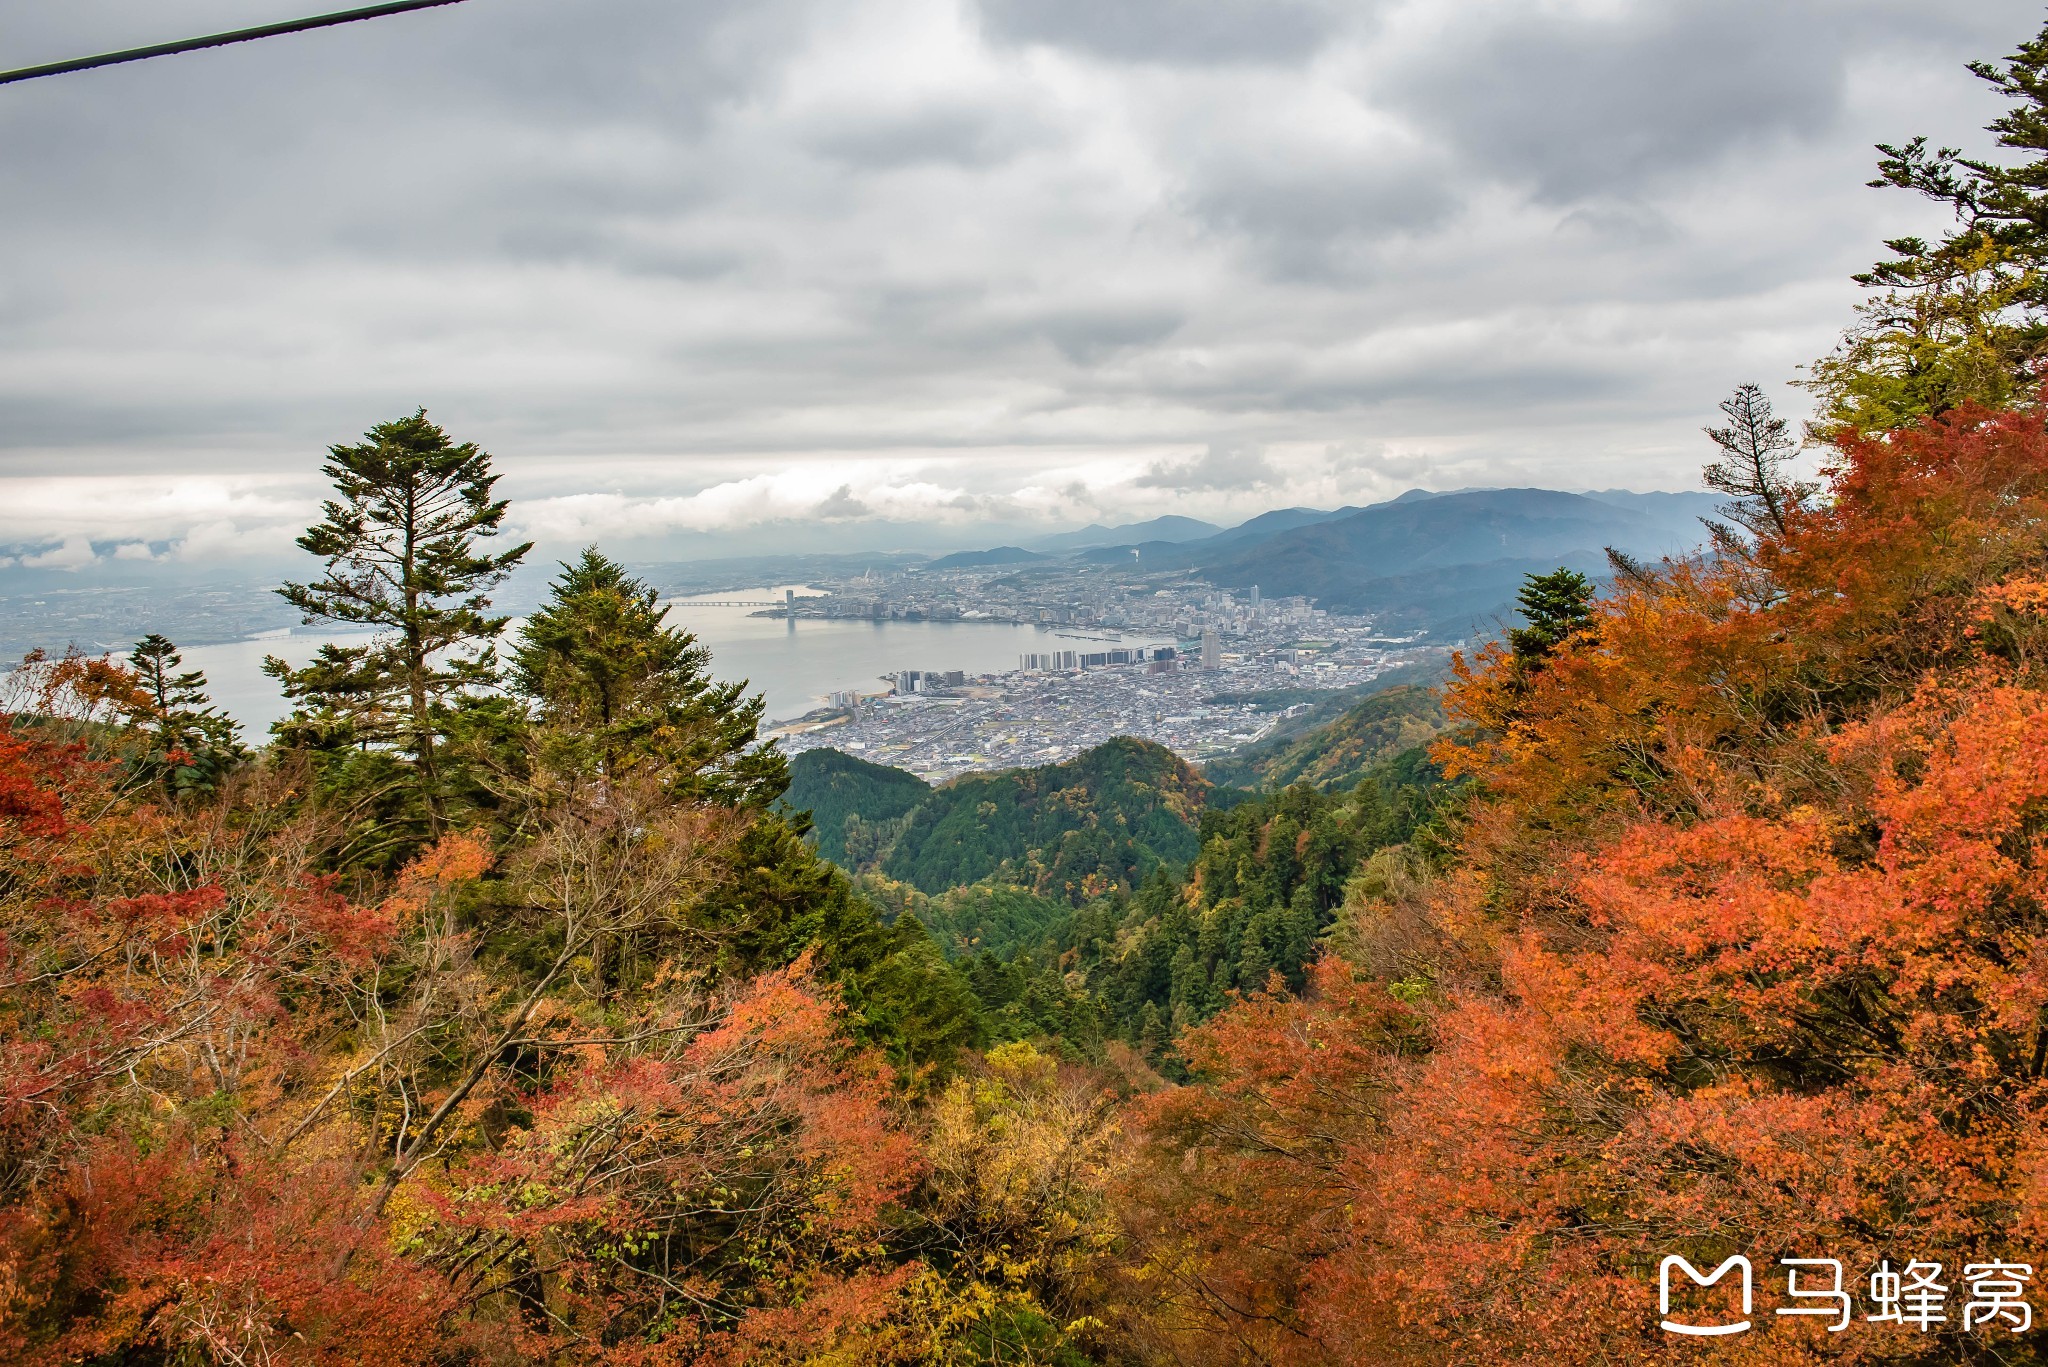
619, 689
403, 550
1554, 605
190, 746
1753, 469
1964, 318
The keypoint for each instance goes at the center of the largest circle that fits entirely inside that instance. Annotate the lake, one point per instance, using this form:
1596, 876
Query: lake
794, 663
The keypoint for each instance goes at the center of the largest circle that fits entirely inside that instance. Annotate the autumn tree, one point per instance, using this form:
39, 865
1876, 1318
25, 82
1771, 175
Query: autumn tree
1730, 958
1017, 1221
85, 696
167, 980
404, 550
710, 1185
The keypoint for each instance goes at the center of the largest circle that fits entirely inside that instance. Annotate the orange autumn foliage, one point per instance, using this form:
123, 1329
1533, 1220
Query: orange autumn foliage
1739, 953
199, 1050
713, 1192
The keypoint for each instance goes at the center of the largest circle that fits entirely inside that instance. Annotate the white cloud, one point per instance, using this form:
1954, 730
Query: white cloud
73, 553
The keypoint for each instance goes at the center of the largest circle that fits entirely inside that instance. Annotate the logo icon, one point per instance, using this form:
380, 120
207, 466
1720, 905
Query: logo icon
1701, 1279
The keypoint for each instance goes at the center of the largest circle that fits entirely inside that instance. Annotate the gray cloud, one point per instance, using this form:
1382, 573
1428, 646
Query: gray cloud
958, 134
1088, 336
1217, 469
1316, 222
1209, 32
1624, 99
841, 506
1572, 105
936, 260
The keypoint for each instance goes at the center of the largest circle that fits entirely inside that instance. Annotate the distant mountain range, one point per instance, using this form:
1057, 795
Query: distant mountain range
1442, 565
1170, 529
1438, 564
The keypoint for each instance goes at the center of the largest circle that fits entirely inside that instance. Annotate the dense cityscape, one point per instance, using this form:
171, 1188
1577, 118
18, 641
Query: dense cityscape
1164, 657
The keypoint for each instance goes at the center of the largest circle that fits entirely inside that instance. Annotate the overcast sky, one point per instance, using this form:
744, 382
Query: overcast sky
702, 272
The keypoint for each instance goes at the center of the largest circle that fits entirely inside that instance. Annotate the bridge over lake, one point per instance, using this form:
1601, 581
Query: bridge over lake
711, 603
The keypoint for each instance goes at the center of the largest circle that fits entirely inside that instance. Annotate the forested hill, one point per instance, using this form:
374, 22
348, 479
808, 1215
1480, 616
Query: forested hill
1071, 831
1100, 821
1333, 757
848, 795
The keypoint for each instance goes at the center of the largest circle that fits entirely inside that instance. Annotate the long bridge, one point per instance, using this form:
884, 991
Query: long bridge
709, 603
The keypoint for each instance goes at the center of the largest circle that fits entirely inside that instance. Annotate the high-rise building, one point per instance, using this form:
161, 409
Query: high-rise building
1212, 649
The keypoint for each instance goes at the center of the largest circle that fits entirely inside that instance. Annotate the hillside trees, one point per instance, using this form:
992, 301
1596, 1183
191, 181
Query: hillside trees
404, 550
1736, 956
1253, 909
167, 983
495, 1108
855, 805
243, 1117
1345, 748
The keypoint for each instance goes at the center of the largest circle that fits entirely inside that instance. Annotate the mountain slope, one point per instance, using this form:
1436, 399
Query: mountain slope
1680, 512
1334, 756
1000, 555
1272, 524
1434, 561
1100, 821
833, 786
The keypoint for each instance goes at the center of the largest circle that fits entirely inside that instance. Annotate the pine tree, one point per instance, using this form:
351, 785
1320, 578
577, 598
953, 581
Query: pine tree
619, 689
190, 745
402, 545
1554, 605
1965, 318
1753, 469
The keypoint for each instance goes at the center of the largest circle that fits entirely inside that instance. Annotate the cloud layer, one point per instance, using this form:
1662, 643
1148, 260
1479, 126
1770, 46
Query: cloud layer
693, 269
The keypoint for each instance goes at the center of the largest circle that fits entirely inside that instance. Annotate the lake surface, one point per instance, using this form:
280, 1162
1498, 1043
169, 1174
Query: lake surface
794, 663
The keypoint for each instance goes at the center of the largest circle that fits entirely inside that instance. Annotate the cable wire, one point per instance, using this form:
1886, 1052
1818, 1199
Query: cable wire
246, 35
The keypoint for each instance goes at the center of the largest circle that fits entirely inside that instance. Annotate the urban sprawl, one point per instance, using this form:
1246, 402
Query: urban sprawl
1167, 658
